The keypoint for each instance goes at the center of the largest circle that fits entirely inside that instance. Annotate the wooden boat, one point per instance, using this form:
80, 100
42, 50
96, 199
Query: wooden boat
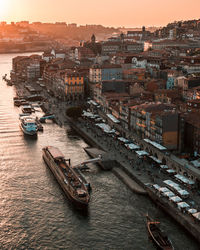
69, 180
159, 238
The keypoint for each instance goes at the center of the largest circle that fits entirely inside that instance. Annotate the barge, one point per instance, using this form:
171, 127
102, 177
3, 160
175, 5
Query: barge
69, 180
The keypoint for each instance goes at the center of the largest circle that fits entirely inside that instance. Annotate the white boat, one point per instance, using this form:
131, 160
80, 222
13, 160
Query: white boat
28, 125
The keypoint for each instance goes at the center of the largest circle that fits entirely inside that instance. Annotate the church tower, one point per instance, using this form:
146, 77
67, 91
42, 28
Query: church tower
93, 38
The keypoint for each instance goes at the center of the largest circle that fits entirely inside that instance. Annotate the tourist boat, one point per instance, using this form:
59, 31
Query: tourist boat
159, 238
28, 125
69, 180
17, 102
27, 109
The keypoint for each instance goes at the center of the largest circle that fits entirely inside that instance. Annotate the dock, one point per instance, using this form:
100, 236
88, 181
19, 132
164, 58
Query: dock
110, 164
106, 163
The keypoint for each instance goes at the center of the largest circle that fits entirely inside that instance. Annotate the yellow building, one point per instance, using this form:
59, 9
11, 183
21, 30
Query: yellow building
74, 86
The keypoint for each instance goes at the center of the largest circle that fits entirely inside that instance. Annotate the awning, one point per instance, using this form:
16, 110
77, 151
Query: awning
169, 194
112, 118
141, 153
171, 171
164, 166
164, 189
105, 127
156, 186
192, 210
196, 163
92, 102
88, 114
183, 205
155, 159
184, 179
197, 215
183, 193
122, 139
175, 199
132, 146
155, 144
171, 184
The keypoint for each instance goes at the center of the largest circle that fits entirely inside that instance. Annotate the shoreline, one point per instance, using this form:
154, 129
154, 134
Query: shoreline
120, 173
182, 219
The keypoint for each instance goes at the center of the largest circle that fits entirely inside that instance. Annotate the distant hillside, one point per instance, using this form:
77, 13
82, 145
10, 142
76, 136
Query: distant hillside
151, 29
180, 27
83, 32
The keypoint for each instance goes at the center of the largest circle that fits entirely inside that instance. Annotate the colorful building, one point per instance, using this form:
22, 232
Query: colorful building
158, 122
74, 85
98, 73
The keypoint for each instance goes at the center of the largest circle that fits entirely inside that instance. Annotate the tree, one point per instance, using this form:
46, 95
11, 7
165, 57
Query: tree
74, 112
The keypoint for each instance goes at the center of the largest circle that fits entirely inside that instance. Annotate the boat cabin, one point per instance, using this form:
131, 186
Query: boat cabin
55, 153
81, 193
17, 102
27, 109
28, 121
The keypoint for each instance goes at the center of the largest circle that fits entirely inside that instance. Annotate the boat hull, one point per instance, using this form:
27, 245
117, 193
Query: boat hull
160, 241
55, 170
28, 133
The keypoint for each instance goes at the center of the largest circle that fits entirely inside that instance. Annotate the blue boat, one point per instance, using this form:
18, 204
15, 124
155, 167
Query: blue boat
28, 125
47, 117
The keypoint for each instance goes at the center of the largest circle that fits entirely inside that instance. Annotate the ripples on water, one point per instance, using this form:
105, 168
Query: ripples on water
35, 214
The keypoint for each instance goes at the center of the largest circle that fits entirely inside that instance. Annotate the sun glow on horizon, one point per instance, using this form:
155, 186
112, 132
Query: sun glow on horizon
4, 9
112, 13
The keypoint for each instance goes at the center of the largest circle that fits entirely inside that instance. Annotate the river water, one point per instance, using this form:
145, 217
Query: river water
35, 214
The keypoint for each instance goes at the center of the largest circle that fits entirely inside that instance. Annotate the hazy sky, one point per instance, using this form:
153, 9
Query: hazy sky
129, 13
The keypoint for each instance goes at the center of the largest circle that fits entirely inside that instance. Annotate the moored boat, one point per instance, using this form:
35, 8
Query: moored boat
28, 125
47, 117
27, 109
9, 82
70, 182
160, 239
39, 125
17, 102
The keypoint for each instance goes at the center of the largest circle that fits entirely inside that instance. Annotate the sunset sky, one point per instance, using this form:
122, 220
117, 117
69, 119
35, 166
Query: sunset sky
128, 13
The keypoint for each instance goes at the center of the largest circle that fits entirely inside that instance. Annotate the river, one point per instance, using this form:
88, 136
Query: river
35, 214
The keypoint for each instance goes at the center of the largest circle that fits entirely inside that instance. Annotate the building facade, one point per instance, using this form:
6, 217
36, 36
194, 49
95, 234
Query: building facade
98, 73
74, 86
